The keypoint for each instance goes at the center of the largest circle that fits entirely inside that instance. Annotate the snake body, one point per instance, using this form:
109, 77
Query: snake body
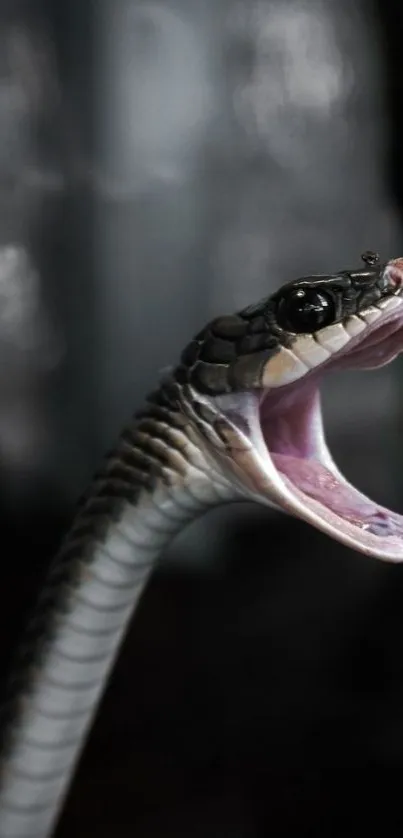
198, 442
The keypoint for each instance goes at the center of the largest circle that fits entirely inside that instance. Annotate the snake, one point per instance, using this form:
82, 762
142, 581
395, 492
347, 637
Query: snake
238, 418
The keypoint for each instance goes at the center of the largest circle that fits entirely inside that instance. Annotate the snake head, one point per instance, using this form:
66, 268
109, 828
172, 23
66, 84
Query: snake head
250, 381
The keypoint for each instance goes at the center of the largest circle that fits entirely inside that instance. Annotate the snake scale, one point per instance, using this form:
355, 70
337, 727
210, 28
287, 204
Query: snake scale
238, 418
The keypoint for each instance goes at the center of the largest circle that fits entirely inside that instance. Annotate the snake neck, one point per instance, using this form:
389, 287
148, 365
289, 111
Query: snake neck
157, 479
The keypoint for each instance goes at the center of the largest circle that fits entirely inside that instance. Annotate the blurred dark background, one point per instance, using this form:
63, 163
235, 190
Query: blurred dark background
161, 163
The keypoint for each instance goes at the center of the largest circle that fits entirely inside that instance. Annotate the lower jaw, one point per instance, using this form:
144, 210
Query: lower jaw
316, 491
315, 481
322, 497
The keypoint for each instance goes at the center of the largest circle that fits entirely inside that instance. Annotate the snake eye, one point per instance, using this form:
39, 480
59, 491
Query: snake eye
305, 310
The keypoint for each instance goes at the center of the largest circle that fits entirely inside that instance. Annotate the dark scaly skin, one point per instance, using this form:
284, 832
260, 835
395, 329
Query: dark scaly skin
228, 355
147, 453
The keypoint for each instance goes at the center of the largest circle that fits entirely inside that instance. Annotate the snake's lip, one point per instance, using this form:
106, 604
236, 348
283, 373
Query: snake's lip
287, 463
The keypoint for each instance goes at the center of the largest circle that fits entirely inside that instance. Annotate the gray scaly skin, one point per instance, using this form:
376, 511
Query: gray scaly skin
181, 455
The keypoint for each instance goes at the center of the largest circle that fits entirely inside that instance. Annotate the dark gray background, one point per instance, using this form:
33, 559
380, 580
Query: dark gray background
161, 163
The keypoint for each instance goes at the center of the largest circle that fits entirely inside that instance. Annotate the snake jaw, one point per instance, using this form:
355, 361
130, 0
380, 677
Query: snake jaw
278, 443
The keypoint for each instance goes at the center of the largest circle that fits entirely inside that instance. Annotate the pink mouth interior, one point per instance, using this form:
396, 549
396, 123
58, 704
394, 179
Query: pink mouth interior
291, 424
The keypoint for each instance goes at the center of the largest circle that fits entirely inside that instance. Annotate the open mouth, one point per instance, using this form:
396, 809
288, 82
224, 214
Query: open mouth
288, 460
292, 429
